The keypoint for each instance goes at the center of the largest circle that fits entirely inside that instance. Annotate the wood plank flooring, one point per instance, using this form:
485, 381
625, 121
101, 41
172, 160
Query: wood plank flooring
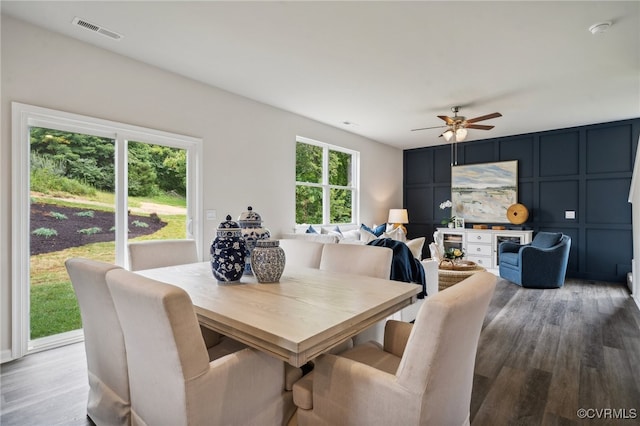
545, 354
46, 388
542, 355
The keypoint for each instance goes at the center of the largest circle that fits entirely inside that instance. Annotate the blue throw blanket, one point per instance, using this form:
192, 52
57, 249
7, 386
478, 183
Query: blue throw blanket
404, 267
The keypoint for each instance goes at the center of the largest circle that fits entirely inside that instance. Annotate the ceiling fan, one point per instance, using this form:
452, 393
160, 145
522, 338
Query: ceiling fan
458, 124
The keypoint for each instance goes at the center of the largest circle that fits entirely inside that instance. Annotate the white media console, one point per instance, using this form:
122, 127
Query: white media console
481, 245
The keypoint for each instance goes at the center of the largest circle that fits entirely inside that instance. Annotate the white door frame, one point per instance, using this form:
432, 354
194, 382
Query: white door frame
26, 116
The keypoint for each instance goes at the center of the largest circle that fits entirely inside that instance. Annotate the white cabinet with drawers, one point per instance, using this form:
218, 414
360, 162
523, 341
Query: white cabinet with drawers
479, 248
481, 245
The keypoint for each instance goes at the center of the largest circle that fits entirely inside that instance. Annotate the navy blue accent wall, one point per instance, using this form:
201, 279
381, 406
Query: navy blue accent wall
585, 169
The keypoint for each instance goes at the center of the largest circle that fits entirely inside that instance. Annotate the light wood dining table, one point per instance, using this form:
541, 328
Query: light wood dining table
306, 313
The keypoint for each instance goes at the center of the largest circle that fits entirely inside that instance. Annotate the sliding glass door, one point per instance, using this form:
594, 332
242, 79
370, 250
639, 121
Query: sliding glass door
84, 187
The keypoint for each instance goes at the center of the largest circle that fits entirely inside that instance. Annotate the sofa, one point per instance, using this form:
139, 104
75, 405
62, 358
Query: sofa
355, 234
326, 233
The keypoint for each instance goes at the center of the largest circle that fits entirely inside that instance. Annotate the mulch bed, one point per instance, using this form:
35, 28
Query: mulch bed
67, 229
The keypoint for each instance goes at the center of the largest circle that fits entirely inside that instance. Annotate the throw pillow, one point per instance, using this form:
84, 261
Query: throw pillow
367, 236
366, 228
354, 234
396, 234
311, 230
377, 230
546, 239
335, 231
415, 246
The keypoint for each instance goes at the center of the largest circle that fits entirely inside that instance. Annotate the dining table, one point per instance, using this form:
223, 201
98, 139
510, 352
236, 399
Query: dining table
306, 313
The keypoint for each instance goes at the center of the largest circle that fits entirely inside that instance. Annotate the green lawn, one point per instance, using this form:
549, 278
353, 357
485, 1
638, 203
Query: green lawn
54, 308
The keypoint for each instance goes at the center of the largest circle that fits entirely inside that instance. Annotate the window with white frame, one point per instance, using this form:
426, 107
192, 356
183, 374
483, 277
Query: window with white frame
326, 183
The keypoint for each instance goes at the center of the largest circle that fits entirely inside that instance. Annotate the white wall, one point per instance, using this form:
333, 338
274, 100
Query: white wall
249, 147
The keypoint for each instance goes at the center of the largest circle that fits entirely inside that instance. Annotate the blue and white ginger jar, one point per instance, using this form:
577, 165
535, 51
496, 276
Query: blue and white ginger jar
228, 252
268, 261
252, 231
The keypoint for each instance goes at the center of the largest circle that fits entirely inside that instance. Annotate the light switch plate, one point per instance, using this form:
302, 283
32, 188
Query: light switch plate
569, 214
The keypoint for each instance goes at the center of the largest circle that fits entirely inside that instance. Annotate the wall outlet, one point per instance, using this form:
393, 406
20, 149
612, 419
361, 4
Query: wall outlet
211, 214
569, 214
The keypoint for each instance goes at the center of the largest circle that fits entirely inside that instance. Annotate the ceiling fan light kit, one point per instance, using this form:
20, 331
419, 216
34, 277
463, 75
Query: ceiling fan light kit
460, 134
458, 125
447, 135
457, 128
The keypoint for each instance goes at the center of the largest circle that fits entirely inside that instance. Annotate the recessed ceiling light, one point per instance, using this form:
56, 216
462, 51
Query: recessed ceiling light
599, 28
349, 123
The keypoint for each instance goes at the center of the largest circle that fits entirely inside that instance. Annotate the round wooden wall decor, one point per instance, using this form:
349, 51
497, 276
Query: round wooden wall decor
517, 214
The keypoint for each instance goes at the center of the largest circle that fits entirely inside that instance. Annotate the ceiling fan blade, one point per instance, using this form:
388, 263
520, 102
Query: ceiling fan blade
479, 126
449, 120
484, 117
427, 128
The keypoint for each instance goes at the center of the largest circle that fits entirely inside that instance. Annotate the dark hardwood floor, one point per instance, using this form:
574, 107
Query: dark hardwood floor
542, 356
545, 354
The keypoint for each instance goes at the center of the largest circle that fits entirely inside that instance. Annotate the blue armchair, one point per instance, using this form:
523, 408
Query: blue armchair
541, 264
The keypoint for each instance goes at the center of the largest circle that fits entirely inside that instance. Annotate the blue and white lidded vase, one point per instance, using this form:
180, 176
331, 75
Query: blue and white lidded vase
228, 252
268, 261
252, 231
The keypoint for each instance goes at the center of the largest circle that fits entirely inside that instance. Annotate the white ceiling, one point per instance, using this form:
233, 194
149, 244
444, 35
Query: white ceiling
387, 67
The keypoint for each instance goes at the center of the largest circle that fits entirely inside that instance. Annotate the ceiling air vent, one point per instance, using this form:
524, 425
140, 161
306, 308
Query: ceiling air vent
96, 28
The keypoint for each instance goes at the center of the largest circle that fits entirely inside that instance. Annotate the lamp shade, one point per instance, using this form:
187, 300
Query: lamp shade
461, 134
398, 216
447, 135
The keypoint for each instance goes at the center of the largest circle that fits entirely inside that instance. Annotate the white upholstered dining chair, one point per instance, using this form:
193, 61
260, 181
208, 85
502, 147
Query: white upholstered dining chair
150, 254
370, 261
157, 253
109, 398
302, 253
171, 379
423, 374
108, 402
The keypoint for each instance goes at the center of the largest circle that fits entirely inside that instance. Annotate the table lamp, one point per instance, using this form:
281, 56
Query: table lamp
398, 217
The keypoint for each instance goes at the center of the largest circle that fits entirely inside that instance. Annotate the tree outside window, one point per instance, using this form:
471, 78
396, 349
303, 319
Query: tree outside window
326, 184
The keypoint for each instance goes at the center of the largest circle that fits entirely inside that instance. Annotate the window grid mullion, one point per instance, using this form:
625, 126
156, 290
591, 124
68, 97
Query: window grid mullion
326, 192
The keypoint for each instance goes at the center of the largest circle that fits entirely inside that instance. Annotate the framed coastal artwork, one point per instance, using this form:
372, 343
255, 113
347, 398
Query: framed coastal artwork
482, 193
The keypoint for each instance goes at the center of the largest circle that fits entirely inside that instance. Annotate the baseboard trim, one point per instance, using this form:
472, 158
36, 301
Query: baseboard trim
5, 356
